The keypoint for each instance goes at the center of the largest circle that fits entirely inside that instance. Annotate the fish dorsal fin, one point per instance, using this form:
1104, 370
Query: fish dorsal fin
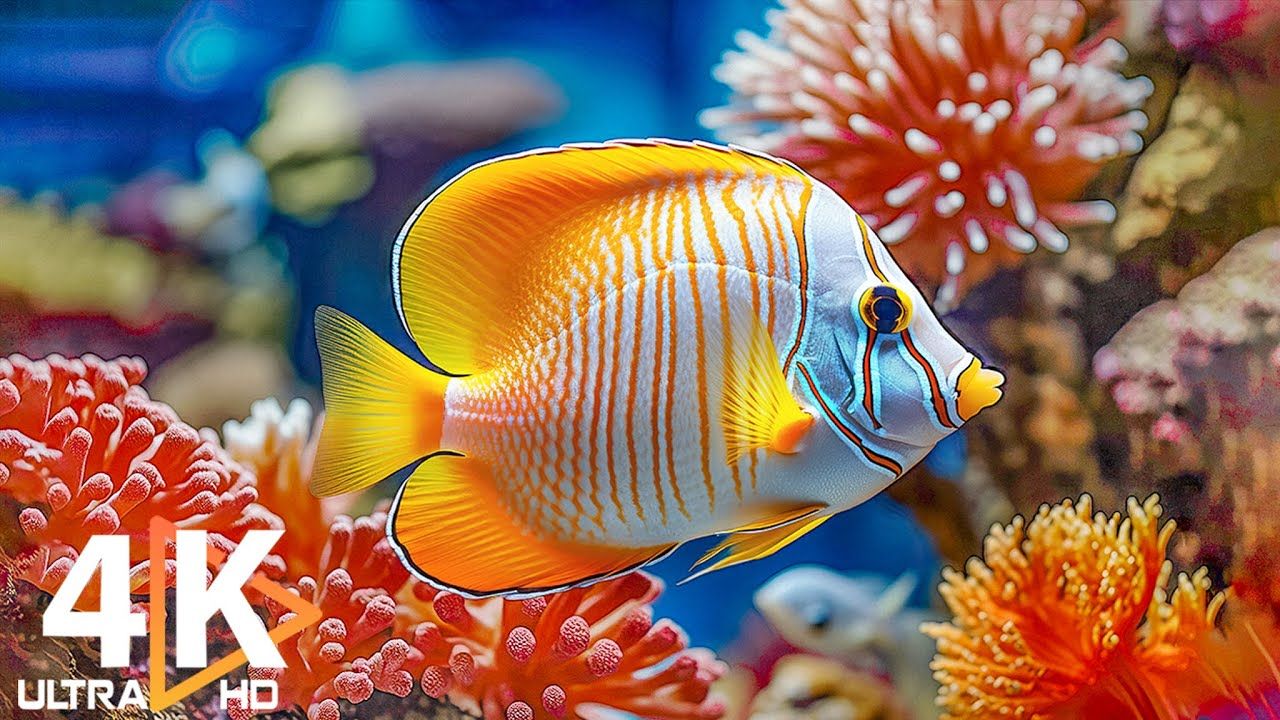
458, 269
758, 409
746, 545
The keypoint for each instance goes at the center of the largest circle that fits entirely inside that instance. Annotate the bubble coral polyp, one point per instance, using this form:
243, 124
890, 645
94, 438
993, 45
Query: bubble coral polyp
963, 130
352, 580
1069, 617
559, 656
87, 452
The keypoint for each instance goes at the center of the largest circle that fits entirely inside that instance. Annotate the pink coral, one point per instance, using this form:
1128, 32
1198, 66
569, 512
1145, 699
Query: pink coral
963, 130
87, 452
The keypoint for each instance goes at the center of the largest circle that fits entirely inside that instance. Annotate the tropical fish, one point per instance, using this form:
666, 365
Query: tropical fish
859, 620
638, 343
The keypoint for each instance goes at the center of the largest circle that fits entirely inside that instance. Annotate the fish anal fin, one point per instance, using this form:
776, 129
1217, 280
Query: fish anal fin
744, 546
450, 529
758, 409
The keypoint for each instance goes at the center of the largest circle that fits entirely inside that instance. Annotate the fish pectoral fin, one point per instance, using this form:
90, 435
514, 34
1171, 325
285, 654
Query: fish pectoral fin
451, 530
743, 546
758, 409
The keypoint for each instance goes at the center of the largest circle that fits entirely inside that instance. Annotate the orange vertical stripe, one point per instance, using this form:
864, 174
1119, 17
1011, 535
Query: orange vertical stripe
935, 388
708, 223
633, 386
748, 259
868, 387
758, 190
669, 433
874, 457
658, 339
797, 227
869, 250
599, 397
578, 379
700, 399
618, 282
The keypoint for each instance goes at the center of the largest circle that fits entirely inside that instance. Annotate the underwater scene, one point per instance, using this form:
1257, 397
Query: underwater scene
673, 359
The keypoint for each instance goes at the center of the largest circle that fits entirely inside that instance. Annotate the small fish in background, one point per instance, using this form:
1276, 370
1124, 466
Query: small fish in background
640, 343
862, 621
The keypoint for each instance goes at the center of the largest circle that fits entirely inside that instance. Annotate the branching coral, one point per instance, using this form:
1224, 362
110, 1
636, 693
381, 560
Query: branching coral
1069, 617
355, 576
966, 131
556, 656
553, 657
87, 452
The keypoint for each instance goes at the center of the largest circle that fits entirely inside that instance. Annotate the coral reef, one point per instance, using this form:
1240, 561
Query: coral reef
352, 580
1234, 33
812, 688
1196, 375
84, 451
1195, 159
61, 279
549, 657
963, 131
1196, 378
279, 444
555, 657
1069, 616
331, 136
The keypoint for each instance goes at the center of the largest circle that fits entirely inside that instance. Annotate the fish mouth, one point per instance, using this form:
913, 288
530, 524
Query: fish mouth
977, 388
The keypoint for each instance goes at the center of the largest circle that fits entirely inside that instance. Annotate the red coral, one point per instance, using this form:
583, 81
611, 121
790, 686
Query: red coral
88, 452
964, 130
360, 575
551, 657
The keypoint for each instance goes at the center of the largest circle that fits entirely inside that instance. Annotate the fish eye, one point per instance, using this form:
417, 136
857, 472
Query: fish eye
885, 309
818, 616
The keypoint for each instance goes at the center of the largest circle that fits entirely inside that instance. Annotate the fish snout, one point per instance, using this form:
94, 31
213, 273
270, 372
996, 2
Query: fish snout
977, 388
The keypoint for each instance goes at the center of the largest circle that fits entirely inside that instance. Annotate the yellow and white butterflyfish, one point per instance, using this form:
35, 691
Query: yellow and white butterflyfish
641, 343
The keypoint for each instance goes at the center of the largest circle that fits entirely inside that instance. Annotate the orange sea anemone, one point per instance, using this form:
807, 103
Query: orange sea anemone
965, 131
1068, 616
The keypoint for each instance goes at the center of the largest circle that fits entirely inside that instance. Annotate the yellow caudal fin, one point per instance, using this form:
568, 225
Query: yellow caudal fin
457, 268
382, 410
752, 545
758, 410
451, 530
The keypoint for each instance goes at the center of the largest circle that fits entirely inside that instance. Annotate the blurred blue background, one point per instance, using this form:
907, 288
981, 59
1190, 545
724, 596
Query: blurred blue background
94, 95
